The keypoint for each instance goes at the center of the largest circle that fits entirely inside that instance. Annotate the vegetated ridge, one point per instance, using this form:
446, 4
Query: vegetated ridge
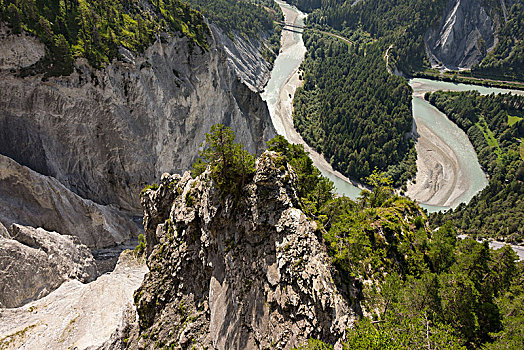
96, 29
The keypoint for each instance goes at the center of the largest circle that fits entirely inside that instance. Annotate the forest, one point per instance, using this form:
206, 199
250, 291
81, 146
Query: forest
350, 107
401, 23
352, 110
495, 126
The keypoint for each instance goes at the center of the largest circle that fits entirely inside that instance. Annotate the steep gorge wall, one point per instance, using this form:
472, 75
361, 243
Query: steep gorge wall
104, 134
75, 151
467, 32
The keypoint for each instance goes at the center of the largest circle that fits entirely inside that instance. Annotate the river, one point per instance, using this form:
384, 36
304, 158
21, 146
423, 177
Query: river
281, 88
448, 171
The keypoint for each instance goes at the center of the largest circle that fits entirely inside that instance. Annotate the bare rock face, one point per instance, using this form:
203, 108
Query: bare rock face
106, 133
32, 199
465, 35
20, 50
226, 273
35, 262
3, 232
245, 57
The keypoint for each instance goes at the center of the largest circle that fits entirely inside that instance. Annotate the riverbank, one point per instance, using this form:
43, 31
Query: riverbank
456, 77
280, 102
448, 171
439, 179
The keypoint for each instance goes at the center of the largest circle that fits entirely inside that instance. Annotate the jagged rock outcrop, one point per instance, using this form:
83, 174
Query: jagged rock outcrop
226, 273
34, 262
465, 34
32, 199
106, 133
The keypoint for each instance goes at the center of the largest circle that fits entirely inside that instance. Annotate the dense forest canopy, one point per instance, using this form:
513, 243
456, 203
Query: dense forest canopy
402, 23
495, 126
353, 110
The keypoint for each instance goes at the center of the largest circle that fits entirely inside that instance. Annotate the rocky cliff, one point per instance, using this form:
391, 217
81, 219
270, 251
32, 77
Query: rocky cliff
42, 201
76, 150
76, 315
250, 273
105, 133
467, 32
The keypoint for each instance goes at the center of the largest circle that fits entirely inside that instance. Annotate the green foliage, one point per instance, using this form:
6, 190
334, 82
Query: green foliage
95, 29
189, 199
314, 190
229, 164
401, 330
382, 189
424, 287
352, 110
141, 247
367, 241
401, 23
511, 305
497, 210
441, 248
314, 344
153, 186
461, 295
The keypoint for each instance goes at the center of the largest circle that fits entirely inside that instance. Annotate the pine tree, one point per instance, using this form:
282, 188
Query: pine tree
229, 164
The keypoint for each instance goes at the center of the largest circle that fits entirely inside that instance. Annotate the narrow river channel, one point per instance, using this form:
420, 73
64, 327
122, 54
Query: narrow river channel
448, 171
281, 88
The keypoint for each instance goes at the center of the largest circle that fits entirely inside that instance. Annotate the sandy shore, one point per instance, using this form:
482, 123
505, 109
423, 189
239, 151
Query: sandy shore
284, 105
439, 180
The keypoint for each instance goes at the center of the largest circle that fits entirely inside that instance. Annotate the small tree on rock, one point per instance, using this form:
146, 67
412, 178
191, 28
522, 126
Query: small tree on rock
230, 165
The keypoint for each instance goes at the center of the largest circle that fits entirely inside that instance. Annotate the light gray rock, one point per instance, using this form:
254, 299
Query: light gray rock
251, 274
76, 316
465, 34
245, 57
35, 262
3, 232
20, 50
106, 133
32, 199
